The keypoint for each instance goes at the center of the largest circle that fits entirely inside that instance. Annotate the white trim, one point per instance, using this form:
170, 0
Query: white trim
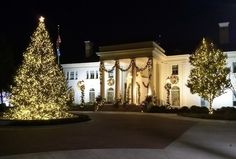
81, 65
230, 54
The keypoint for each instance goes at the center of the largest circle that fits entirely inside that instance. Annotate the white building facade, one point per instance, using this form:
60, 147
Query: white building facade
130, 72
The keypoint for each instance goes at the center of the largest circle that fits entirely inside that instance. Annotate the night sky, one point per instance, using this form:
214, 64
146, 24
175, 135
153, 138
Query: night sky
177, 25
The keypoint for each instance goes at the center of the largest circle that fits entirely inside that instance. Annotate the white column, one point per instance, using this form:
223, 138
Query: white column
133, 84
117, 82
151, 78
102, 79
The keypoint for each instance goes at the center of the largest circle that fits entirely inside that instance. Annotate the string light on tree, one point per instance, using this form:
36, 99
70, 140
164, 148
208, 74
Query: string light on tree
208, 78
39, 91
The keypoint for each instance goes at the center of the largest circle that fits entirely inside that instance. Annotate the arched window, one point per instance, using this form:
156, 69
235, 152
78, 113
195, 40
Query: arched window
92, 95
71, 93
110, 95
175, 96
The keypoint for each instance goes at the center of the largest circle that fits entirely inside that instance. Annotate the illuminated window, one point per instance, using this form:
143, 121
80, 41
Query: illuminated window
175, 70
110, 74
96, 74
175, 96
91, 74
72, 75
92, 95
76, 75
234, 67
110, 95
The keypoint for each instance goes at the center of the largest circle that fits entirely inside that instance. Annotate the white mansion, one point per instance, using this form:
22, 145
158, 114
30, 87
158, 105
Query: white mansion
133, 71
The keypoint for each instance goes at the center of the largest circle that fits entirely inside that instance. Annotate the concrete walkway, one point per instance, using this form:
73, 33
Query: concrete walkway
205, 140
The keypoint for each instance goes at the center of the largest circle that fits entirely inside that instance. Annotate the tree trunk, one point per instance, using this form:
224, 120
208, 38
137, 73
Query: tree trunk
210, 107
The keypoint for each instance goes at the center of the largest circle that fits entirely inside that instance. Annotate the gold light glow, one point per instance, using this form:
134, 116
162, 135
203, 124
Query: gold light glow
39, 91
209, 75
41, 19
149, 91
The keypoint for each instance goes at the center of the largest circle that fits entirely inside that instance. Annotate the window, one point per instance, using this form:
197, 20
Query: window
110, 95
72, 75
96, 74
234, 98
76, 75
92, 95
175, 70
71, 93
87, 74
234, 67
91, 74
67, 75
110, 74
175, 96
204, 103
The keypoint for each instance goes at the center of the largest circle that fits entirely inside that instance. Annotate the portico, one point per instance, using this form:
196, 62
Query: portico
131, 71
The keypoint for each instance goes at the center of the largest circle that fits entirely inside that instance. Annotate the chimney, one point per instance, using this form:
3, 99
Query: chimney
224, 32
88, 49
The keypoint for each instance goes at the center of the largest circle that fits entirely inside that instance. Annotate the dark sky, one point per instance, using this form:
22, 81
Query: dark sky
181, 23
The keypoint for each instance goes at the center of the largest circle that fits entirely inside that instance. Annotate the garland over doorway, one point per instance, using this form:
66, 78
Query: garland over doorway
132, 64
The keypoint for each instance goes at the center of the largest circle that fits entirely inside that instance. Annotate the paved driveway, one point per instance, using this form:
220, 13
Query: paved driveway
105, 130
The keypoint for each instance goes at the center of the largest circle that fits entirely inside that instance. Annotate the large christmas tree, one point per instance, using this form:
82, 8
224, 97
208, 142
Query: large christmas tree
40, 90
208, 78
